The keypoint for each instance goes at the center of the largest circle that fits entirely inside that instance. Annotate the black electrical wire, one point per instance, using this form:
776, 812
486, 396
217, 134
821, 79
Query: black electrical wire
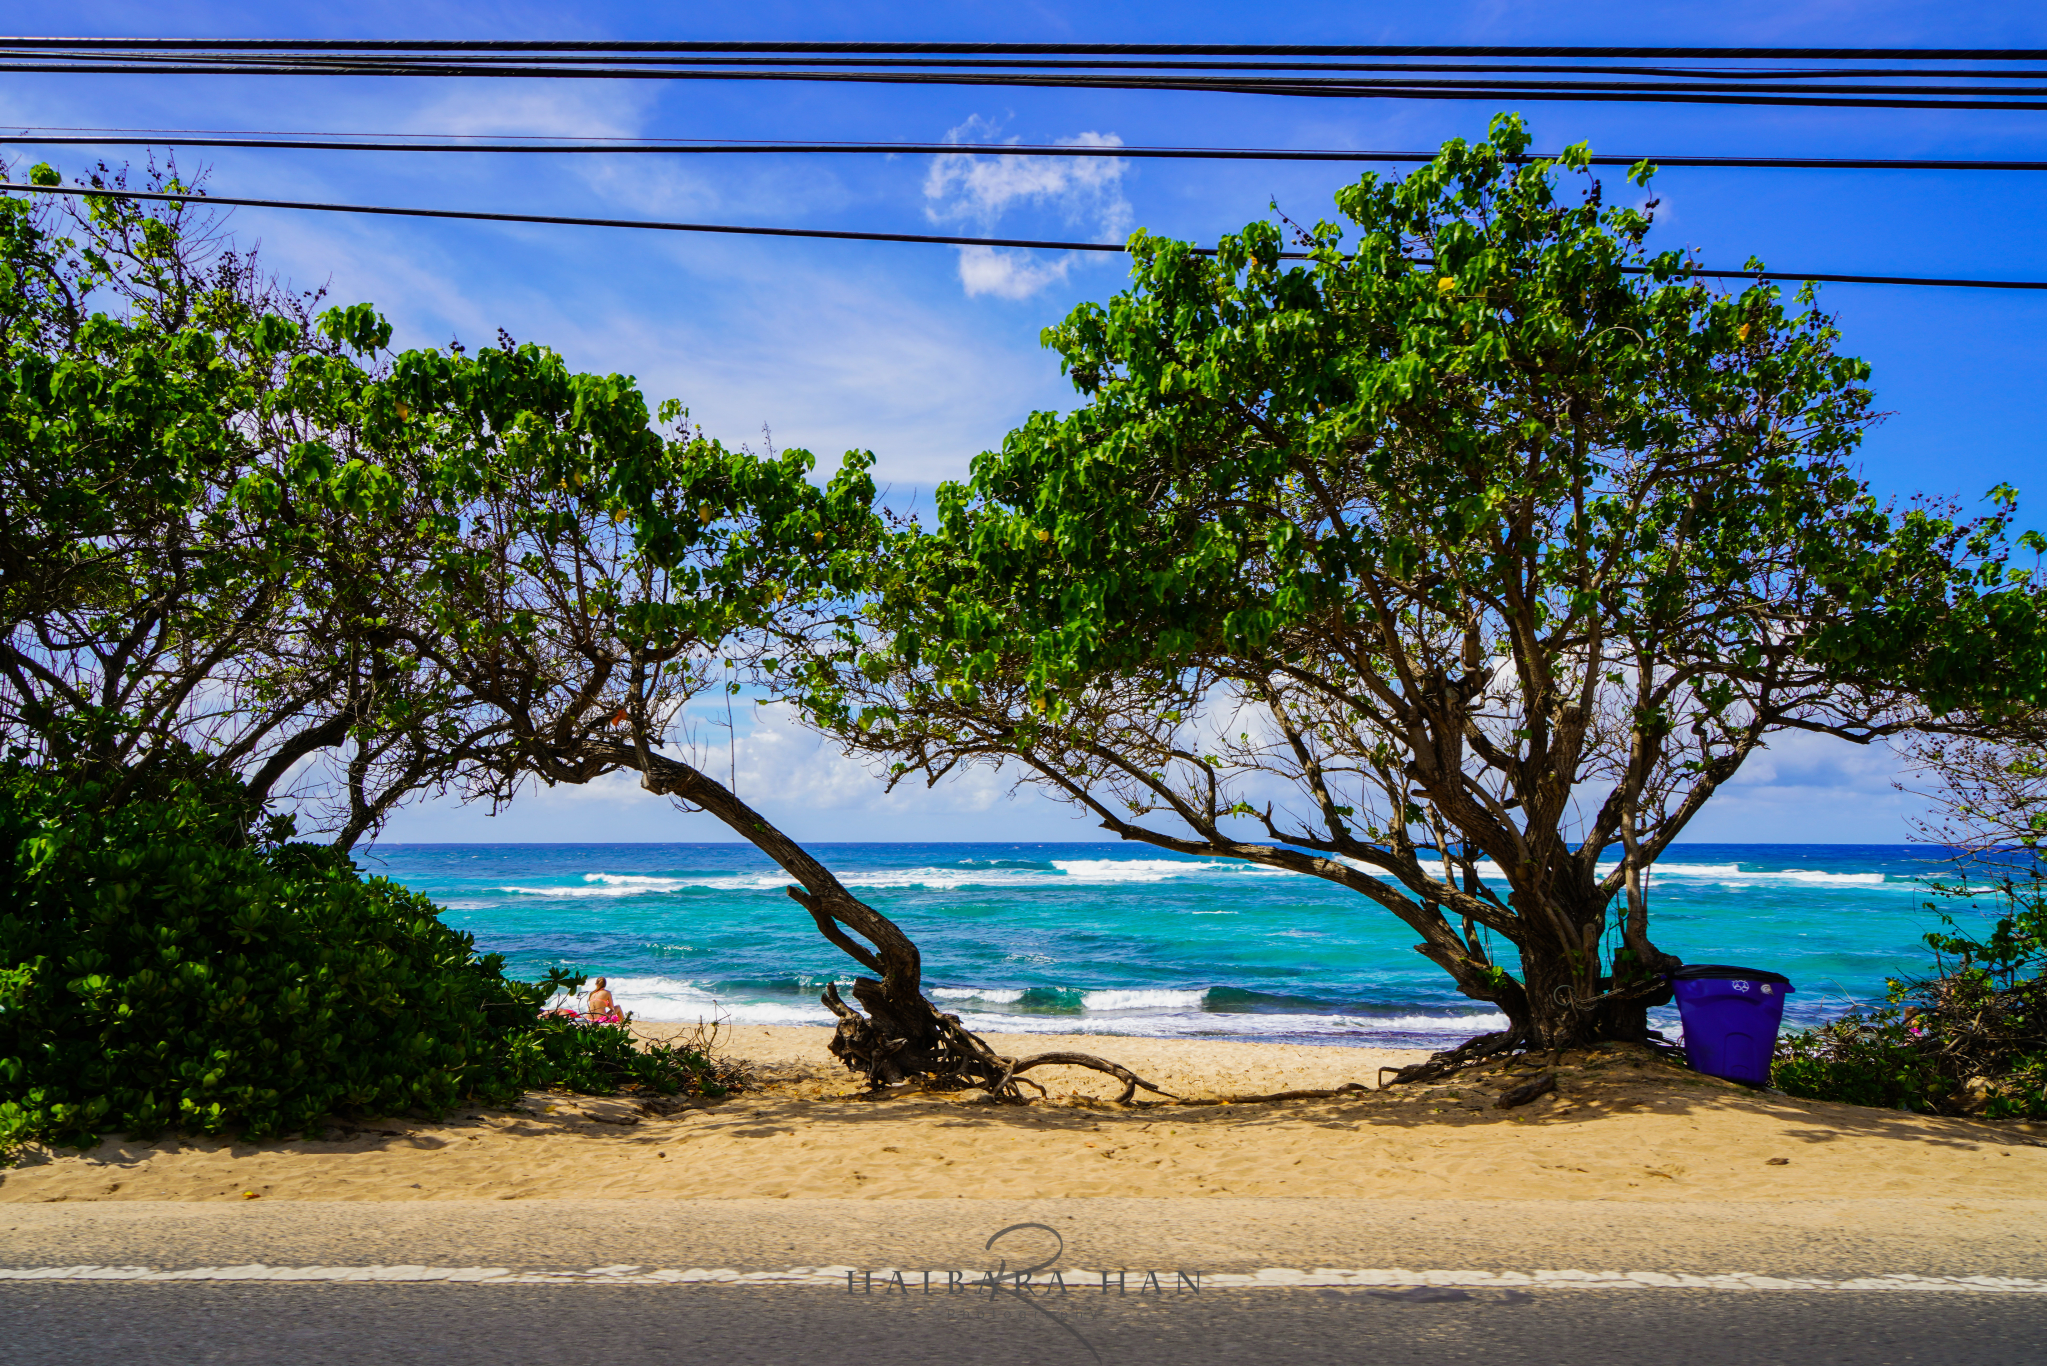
1694, 92
747, 230
282, 55
792, 68
1267, 79
1817, 90
149, 61
1061, 49
173, 137
1494, 92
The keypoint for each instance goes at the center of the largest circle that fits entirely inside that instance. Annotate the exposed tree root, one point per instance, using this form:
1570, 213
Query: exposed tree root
1347, 1088
1442, 1064
1131, 1081
1515, 1048
1526, 1091
1665, 1049
902, 1036
888, 1048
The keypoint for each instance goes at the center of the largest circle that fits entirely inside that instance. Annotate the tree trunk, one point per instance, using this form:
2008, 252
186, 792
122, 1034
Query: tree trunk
1549, 1010
903, 1035
1559, 1008
1551, 983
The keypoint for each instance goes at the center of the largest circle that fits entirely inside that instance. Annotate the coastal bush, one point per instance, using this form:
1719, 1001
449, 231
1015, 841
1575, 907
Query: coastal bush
159, 969
600, 1060
1969, 1039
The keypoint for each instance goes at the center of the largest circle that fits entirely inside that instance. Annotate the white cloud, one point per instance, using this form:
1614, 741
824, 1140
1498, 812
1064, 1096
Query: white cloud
1011, 274
780, 764
962, 186
831, 349
539, 109
786, 772
1084, 192
1810, 789
830, 359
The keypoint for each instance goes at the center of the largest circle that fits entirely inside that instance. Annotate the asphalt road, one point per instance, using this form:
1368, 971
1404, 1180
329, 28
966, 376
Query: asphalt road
309, 1325
139, 1323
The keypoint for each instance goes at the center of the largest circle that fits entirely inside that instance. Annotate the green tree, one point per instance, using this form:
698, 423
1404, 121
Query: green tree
160, 969
605, 574
245, 544
1459, 565
183, 515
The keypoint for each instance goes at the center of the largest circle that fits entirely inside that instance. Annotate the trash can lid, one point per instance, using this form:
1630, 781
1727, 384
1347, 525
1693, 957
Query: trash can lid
1720, 972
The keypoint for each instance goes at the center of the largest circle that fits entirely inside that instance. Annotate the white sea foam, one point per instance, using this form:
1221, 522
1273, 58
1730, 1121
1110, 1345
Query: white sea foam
1061, 872
944, 879
1113, 872
1420, 1024
1144, 999
666, 999
1732, 874
623, 885
1140, 1012
1436, 1029
588, 892
992, 995
1157, 869
1828, 879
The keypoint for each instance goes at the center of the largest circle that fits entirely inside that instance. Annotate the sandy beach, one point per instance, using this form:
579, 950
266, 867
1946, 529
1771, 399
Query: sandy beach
802, 1220
1623, 1125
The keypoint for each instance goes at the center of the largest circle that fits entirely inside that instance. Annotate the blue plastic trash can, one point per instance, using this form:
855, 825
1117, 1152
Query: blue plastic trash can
1730, 1019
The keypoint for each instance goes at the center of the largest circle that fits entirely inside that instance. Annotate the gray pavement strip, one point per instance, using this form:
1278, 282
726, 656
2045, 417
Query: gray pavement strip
1339, 1246
1121, 1281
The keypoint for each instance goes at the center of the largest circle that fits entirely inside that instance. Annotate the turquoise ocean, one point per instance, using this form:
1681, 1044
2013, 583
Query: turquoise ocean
1116, 939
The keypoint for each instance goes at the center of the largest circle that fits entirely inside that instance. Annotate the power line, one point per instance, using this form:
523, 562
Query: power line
1873, 97
394, 143
571, 60
1074, 49
1818, 88
479, 215
932, 239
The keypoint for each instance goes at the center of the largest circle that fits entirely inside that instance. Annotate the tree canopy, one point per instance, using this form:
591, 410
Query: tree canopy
1459, 564
251, 552
238, 531
594, 579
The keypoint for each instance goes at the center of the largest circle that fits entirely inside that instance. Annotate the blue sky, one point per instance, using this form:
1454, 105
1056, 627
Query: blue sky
927, 355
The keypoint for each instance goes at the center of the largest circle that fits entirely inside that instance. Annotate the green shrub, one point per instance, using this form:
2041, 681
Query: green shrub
1871, 1059
1970, 1039
159, 970
596, 1059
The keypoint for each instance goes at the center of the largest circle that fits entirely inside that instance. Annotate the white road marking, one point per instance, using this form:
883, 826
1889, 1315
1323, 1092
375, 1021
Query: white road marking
1077, 1280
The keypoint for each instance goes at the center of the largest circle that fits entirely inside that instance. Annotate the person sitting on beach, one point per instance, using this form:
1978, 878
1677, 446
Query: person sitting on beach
602, 1008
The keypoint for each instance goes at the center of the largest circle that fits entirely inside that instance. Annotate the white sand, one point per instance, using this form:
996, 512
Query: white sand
1623, 1127
1185, 1067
